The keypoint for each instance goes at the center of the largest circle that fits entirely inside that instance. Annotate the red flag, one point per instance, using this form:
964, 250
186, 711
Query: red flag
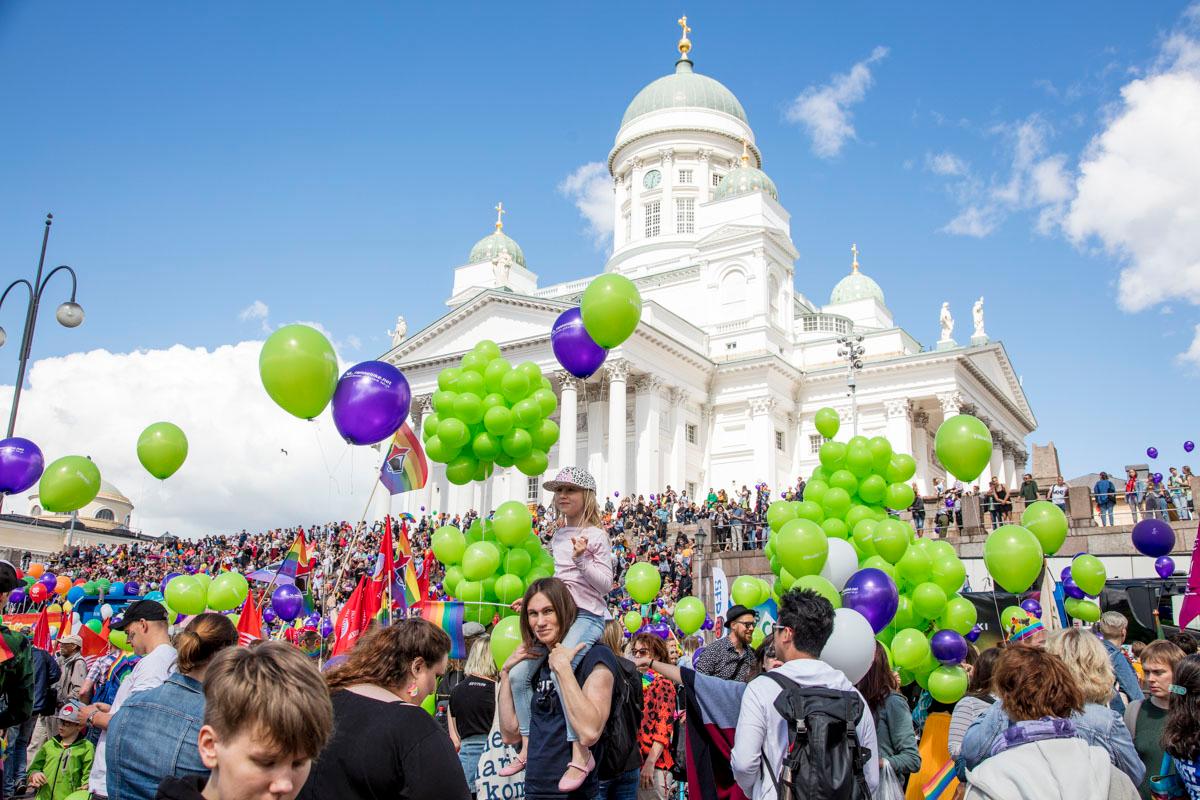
249, 625
1191, 598
383, 589
353, 619
105, 631
64, 625
94, 645
41, 631
423, 575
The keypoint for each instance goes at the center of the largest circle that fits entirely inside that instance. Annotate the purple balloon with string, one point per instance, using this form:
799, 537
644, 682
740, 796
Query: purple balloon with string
287, 601
1189, 446
21, 464
326, 628
1032, 606
1158, 477
1164, 566
1153, 537
17, 596
872, 593
574, 347
132, 588
269, 615
370, 402
973, 634
1152, 452
948, 647
1071, 589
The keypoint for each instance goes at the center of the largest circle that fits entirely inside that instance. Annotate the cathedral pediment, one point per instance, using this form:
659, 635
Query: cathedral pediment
731, 233
991, 366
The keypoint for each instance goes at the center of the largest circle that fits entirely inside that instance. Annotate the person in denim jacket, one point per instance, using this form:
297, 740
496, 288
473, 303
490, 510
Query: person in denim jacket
155, 733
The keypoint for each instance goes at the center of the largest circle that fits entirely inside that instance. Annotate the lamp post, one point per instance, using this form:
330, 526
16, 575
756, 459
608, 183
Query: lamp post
69, 315
852, 350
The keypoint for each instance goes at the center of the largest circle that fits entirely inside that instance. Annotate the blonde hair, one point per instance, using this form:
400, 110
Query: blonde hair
591, 511
613, 636
1087, 661
204, 637
479, 660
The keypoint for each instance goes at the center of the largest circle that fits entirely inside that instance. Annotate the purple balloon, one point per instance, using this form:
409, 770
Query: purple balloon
49, 580
370, 402
169, 577
327, 628
313, 619
1152, 452
1164, 566
287, 601
573, 347
1033, 607
269, 615
21, 465
872, 593
1071, 589
189, 569
1065, 575
973, 634
132, 588
17, 596
949, 647
1158, 477
1153, 537
1189, 446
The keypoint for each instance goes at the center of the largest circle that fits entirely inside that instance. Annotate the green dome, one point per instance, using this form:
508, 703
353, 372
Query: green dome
489, 247
684, 89
744, 180
855, 286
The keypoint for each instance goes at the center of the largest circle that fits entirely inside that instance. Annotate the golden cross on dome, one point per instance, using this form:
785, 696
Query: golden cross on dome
685, 45
854, 252
745, 151
499, 216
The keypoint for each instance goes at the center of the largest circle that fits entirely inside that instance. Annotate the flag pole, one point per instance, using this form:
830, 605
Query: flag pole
355, 535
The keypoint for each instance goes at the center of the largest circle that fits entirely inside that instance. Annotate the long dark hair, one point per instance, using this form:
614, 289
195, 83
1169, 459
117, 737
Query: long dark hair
879, 682
981, 676
560, 599
1181, 733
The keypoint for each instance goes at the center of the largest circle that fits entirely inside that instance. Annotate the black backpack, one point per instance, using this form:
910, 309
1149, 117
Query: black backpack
621, 752
824, 760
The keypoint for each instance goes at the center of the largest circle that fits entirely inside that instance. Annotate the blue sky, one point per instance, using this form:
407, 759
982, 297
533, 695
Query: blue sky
336, 162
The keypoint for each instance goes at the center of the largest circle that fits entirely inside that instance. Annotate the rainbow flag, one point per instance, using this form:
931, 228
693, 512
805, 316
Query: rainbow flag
405, 468
449, 617
940, 782
296, 562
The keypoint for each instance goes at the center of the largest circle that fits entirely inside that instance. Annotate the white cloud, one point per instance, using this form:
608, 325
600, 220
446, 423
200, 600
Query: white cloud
824, 110
1191, 356
97, 403
1137, 189
945, 163
590, 189
972, 221
257, 310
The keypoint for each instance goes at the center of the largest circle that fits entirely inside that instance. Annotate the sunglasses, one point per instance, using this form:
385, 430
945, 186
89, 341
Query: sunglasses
641, 651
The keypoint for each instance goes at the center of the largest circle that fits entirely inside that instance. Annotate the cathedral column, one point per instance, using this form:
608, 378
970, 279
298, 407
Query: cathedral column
704, 174
617, 372
920, 440
763, 435
1012, 479
997, 462
421, 408
677, 475
647, 420
899, 429
596, 396
667, 165
568, 415
708, 417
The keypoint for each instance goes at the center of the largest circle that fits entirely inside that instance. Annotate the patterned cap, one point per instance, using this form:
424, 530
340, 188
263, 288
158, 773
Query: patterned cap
69, 713
571, 476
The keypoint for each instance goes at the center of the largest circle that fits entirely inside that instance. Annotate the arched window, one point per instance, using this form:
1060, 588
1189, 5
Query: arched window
36, 511
733, 291
105, 515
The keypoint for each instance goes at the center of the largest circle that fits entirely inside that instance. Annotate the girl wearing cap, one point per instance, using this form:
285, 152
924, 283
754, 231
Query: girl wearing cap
583, 561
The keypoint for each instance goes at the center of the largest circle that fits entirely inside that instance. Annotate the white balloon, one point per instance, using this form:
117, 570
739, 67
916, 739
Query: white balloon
841, 563
851, 648
106, 611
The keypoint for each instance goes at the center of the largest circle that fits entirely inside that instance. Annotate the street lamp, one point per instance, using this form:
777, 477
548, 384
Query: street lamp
69, 315
852, 350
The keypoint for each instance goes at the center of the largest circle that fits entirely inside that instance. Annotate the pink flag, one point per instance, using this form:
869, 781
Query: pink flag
1191, 600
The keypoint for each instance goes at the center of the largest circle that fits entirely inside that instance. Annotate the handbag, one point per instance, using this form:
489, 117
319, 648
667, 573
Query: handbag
1167, 785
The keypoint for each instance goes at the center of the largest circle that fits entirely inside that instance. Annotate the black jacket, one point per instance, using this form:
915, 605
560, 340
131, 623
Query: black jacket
188, 788
46, 675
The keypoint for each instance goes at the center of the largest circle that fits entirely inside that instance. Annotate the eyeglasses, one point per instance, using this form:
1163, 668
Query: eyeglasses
641, 651
743, 623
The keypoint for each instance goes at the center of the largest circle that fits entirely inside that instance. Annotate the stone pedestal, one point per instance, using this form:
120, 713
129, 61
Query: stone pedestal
972, 516
978, 341
946, 344
1079, 507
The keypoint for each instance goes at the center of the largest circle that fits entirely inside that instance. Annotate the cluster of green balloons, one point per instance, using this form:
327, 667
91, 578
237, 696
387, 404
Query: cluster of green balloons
299, 370
162, 448
611, 309
493, 562
487, 414
842, 525
195, 594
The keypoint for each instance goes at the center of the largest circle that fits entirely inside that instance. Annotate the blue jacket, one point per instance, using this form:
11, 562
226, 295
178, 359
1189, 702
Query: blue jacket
1127, 680
1106, 493
46, 674
1098, 725
154, 736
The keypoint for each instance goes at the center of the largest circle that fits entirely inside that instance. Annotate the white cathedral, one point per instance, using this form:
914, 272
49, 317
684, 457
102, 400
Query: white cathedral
718, 385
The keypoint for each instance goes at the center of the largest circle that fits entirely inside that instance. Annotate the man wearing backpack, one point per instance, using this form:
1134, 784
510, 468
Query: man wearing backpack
804, 731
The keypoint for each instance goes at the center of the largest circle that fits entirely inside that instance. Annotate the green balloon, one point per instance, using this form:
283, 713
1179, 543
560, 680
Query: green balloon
872, 489
864, 536
494, 400
454, 433
929, 600
689, 614
480, 560
460, 470
905, 616
514, 386
485, 446
475, 362
439, 451
498, 420
471, 382
901, 468
527, 412
611, 309
857, 514
227, 591
94, 625
807, 509
778, 513
468, 407
891, 539
959, 615
449, 544
447, 379
915, 566
475, 532
1085, 610
488, 349
512, 523
899, 496
881, 453
187, 595
643, 582
964, 445
1014, 618
443, 402
910, 648
835, 529
162, 448
547, 401
517, 443
494, 373
517, 562
821, 586
939, 548
534, 463
1089, 574
745, 591
832, 455
827, 422
545, 435
429, 426
1048, 523
815, 489
948, 684
68, 484
802, 547
879, 563
633, 621
836, 502
509, 588
948, 572
299, 370
858, 460
470, 591
532, 372
90, 589
506, 637
1013, 557
453, 577
844, 479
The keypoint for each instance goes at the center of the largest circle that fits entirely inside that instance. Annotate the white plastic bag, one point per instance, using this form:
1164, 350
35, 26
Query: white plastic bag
889, 787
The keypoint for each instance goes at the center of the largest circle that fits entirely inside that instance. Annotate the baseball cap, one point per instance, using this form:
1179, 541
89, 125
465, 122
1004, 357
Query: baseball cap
71, 638
571, 476
69, 713
149, 610
472, 629
738, 611
8, 577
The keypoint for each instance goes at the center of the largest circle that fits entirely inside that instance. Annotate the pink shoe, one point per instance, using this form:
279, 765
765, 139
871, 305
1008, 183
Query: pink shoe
516, 766
568, 784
